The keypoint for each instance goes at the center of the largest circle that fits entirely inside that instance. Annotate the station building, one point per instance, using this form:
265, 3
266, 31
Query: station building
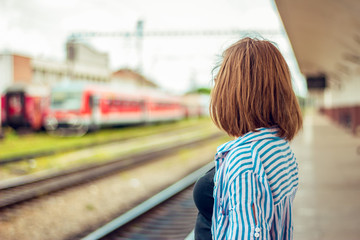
326, 43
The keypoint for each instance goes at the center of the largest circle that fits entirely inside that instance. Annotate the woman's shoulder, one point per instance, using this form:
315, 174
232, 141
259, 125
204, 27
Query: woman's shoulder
239, 160
249, 156
240, 153
258, 135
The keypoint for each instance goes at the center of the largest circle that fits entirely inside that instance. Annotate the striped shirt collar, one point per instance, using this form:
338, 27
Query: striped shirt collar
258, 134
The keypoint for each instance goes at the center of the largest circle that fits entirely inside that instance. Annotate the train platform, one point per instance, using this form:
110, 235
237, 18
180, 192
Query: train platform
327, 205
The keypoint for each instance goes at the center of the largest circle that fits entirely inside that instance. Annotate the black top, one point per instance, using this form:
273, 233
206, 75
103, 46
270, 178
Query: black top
204, 201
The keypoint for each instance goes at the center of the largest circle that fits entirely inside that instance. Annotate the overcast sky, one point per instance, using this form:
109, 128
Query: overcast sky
40, 28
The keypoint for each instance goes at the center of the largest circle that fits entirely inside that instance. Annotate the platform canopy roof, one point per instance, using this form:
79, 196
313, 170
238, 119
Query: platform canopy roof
324, 34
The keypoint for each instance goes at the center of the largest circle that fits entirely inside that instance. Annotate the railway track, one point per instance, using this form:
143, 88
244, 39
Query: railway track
170, 214
45, 153
18, 191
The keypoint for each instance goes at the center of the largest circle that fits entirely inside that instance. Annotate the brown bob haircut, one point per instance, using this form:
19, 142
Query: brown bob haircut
253, 89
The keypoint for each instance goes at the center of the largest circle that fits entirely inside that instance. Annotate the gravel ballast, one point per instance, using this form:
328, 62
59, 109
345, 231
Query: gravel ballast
68, 213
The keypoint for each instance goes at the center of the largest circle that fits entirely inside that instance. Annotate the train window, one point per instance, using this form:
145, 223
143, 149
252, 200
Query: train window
91, 101
126, 103
66, 100
15, 105
118, 102
96, 101
108, 102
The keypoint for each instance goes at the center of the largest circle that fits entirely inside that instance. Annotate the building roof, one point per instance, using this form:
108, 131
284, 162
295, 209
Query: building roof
324, 35
134, 76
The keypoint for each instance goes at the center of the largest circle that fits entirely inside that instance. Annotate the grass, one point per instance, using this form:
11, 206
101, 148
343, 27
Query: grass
90, 207
15, 145
106, 152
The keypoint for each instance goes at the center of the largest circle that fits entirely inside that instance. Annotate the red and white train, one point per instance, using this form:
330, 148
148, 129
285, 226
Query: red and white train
82, 107
91, 107
24, 106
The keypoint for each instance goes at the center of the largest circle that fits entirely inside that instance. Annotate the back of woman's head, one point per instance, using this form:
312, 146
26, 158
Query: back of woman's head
253, 89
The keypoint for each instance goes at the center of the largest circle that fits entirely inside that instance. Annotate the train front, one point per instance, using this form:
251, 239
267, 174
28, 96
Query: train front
69, 111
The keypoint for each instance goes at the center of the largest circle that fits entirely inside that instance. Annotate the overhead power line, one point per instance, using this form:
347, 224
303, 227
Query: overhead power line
171, 33
139, 34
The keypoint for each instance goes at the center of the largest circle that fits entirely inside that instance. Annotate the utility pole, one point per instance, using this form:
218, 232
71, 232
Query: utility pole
139, 43
193, 81
1, 129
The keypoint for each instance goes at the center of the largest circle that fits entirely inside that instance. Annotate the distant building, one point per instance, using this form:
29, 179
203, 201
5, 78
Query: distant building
130, 79
83, 64
86, 64
15, 69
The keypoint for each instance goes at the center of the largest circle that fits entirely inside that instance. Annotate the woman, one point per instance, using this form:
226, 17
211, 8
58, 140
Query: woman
256, 175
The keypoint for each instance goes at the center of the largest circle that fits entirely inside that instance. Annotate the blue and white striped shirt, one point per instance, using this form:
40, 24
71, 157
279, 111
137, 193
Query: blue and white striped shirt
255, 183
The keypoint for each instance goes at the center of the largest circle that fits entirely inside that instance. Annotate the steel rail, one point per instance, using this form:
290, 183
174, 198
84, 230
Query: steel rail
22, 191
148, 205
